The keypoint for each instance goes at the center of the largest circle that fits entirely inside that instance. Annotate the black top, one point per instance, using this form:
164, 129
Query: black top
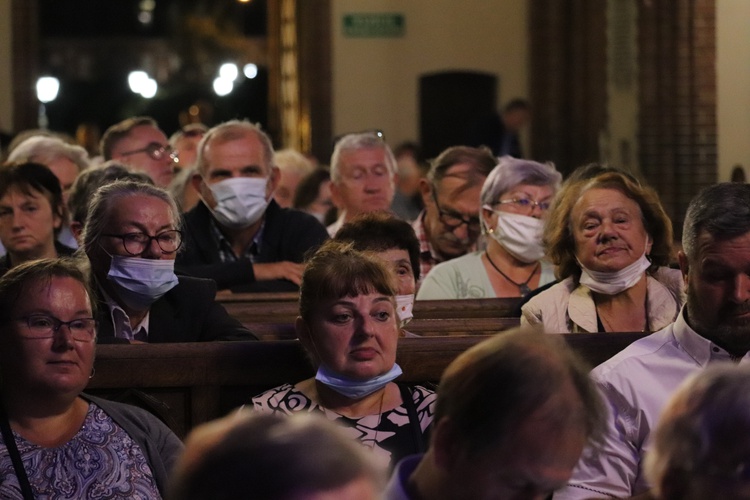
187, 313
287, 235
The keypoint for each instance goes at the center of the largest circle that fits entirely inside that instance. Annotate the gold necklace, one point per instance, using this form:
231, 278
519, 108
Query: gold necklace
380, 418
523, 288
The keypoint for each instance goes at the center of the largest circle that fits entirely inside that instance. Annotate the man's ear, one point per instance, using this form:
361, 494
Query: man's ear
445, 446
425, 188
76, 228
273, 181
684, 266
336, 196
200, 186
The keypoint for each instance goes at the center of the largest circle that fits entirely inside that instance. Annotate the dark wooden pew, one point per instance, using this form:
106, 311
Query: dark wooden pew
272, 316
187, 384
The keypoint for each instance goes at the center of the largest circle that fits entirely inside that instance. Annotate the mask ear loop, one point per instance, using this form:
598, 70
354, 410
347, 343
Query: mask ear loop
485, 228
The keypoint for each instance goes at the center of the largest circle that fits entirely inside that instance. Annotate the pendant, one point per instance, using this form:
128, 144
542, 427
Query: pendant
524, 289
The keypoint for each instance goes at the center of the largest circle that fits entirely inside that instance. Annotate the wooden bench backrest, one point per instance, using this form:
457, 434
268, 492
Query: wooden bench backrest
277, 307
272, 316
187, 384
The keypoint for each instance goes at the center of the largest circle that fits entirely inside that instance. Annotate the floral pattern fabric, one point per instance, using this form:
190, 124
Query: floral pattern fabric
389, 434
100, 461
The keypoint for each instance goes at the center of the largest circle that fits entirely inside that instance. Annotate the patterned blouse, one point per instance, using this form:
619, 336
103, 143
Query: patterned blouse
391, 435
100, 461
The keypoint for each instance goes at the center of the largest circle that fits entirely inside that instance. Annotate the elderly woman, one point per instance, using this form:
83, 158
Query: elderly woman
610, 238
31, 214
515, 198
394, 241
348, 325
56, 441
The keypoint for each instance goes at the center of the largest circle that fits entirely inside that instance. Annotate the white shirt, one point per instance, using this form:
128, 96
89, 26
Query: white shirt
121, 321
637, 383
334, 228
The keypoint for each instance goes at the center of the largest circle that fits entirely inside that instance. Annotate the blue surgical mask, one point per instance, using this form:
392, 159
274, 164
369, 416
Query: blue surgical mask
141, 282
240, 201
355, 389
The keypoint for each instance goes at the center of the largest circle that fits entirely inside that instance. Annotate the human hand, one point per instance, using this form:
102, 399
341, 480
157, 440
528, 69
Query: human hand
284, 270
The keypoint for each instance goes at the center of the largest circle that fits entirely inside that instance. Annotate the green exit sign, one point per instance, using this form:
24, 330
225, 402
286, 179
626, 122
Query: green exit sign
380, 25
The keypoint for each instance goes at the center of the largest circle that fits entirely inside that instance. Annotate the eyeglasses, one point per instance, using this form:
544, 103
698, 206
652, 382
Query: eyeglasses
155, 151
42, 326
136, 243
452, 220
526, 203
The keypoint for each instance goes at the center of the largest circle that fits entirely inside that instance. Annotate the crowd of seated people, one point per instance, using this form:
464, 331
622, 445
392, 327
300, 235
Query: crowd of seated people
593, 254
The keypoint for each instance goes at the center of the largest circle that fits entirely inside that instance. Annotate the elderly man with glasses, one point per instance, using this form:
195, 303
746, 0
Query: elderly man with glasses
449, 225
141, 145
131, 237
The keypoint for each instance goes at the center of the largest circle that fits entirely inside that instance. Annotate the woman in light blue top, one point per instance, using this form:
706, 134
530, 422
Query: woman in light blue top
514, 199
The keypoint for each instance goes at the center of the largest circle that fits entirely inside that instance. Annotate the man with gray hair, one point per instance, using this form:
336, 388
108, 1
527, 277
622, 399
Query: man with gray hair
237, 234
449, 225
713, 326
65, 160
363, 171
513, 414
131, 236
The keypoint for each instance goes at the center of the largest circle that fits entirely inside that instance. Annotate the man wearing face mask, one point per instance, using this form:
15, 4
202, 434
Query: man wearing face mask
131, 237
238, 235
515, 198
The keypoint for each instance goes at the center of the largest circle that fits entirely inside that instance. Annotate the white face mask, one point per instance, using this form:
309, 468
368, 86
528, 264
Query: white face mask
141, 282
404, 306
240, 201
520, 235
611, 283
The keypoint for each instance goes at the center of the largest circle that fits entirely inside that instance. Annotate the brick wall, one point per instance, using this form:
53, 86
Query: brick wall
677, 129
568, 80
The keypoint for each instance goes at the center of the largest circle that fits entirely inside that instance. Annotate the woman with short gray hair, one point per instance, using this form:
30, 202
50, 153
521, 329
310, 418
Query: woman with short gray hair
515, 198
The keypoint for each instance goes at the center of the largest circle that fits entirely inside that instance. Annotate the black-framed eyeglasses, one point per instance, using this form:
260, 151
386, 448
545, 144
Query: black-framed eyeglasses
526, 203
43, 326
137, 243
155, 151
452, 220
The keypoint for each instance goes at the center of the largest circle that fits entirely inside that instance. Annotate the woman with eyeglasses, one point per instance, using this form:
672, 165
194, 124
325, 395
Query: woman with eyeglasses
57, 442
515, 198
31, 214
611, 242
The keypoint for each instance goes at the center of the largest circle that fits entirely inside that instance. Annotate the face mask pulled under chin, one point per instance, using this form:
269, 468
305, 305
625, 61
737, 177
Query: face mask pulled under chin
240, 201
141, 282
612, 283
520, 235
352, 388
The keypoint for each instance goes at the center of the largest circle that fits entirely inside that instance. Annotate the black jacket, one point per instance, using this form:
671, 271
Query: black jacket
187, 313
287, 235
